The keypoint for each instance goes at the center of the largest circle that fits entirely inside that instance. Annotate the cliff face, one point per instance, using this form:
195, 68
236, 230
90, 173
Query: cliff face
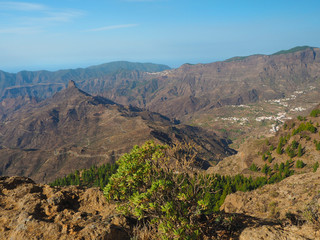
203, 86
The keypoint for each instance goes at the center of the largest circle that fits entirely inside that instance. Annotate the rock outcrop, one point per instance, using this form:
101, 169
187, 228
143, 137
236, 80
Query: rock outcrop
34, 211
294, 201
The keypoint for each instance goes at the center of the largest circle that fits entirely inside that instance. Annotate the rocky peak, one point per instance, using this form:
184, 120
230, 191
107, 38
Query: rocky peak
72, 84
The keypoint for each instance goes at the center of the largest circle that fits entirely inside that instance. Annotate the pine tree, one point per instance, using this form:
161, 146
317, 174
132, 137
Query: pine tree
300, 152
279, 148
315, 166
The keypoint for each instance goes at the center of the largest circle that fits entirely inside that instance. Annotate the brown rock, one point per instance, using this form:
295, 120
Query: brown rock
30, 211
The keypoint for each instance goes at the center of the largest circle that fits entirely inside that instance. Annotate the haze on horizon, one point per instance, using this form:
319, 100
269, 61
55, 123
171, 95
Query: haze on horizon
53, 35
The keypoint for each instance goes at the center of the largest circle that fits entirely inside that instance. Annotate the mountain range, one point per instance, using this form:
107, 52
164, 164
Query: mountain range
46, 125
74, 130
55, 123
183, 91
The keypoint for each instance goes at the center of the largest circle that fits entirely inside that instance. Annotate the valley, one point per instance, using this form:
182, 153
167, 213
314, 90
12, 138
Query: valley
231, 147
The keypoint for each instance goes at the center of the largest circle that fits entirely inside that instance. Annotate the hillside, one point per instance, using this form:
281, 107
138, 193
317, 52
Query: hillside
74, 130
183, 91
243, 97
298, 140
43, 84
191, 88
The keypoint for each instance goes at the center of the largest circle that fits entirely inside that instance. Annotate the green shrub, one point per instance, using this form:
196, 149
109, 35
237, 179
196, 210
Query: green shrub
290, 151
253, 167
157, 184
300, 164
146, 186
315, 166
315, 113
280, 145
300, 151
92, 177
294, 144
265, 169
305, 127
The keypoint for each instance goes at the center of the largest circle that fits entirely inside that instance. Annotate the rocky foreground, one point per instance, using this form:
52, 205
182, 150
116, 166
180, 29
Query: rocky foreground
34, 211
294, 203
287, 210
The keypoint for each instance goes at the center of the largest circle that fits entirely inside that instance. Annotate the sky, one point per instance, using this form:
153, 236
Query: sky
60, 34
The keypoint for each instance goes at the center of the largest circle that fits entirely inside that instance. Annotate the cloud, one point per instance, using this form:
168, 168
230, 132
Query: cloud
21, 6
19, 30
106, 28
56, 16
15, 17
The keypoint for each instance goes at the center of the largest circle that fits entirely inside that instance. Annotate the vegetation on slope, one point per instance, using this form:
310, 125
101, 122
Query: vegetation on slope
159, 185
297, 143
292, 50
92, 177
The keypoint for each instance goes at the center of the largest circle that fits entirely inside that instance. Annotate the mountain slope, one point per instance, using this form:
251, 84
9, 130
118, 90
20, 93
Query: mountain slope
43, 84
74, 130
184, 91
297, 140
191, 88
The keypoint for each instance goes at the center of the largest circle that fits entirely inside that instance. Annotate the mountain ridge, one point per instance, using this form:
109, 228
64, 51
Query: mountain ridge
43, 140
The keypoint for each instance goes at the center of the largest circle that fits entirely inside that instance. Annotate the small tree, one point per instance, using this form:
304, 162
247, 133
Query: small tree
253, 167
279, 148
300, 151
148, 186
315, 166
300, 164
265, 169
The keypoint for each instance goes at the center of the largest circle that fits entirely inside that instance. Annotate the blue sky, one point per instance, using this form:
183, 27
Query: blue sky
60, 34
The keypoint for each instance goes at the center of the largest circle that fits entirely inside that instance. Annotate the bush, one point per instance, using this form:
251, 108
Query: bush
294, 144
300, 151
315, 113
305, 127
253, 167
290, 151
300, 118
315, 166
300, 164
146, 186
265, 169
